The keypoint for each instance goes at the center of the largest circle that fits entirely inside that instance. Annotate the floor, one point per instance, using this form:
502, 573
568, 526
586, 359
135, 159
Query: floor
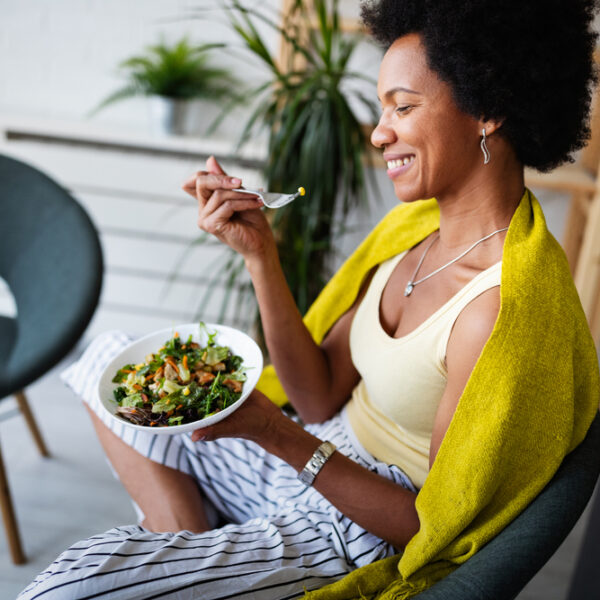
61, 499
73, 494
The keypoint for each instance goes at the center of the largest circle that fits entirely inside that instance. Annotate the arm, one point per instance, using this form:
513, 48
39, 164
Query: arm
317, 379
380, 506
471, 331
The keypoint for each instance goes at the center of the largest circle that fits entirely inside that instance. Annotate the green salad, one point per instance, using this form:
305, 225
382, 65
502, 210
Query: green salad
182, 382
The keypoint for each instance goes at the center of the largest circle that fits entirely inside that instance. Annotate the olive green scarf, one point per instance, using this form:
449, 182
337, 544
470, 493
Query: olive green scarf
529, 401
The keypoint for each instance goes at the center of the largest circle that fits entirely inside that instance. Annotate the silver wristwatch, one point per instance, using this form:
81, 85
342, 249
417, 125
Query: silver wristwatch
316, 462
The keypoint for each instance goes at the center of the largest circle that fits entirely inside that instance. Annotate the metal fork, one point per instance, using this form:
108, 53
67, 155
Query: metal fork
271, 199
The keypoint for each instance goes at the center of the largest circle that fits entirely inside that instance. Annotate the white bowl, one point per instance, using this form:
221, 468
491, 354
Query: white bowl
240, 344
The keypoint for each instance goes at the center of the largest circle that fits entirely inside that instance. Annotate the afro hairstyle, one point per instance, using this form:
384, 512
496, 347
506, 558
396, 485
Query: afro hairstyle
528, 63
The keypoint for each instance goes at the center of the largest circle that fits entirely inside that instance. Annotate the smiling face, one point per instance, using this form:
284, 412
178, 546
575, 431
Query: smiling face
431, 147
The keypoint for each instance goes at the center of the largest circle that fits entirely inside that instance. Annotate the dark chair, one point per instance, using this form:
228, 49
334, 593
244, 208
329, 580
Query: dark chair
502, 568
585, 582
51, 259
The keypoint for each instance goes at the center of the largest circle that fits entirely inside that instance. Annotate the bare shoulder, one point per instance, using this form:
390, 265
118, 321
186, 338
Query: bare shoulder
472, 329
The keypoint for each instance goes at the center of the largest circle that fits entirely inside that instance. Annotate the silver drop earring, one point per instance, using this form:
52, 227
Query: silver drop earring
484, 148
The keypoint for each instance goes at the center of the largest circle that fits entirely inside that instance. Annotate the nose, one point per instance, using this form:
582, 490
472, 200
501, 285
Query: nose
383, 134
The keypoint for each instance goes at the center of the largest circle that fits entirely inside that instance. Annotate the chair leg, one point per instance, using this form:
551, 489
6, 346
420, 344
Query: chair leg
574, 228
587, 274
31, 423
8, 516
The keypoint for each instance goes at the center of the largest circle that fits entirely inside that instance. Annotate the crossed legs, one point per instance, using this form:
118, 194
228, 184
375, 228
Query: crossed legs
169, 499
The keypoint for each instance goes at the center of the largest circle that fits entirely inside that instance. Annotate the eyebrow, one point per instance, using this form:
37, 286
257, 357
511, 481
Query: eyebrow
397, 89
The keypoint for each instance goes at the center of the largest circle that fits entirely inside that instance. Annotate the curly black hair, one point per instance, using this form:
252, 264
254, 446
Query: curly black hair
529, 62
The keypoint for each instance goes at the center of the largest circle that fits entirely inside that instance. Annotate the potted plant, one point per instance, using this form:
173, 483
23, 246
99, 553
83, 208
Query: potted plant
315, 140
171, 76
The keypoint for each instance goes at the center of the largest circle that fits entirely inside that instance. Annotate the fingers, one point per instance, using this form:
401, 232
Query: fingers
231, 199
217, 202
212, 166
202, 185
201, 435
248, 422
217, 213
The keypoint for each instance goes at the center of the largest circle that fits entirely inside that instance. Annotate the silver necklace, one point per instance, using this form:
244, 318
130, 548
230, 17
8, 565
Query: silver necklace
411, 283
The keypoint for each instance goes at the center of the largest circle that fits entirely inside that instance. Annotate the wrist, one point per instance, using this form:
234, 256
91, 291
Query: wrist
316, 462
264, 262
291, 443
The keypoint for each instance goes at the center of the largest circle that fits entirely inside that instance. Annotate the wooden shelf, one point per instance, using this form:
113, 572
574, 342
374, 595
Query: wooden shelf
98, 136
568, 178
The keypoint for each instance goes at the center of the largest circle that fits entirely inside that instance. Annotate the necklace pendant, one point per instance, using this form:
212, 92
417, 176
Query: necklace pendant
409, 288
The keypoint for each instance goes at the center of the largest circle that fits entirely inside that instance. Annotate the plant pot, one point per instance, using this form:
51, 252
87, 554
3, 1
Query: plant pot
170, 116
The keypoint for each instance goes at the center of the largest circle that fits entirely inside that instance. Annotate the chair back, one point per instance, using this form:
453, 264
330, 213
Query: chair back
51, 258
503, 567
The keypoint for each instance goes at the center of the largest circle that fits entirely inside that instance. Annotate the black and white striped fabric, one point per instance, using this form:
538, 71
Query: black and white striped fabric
281, 538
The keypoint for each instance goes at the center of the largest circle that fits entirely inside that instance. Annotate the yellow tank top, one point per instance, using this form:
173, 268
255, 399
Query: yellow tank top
392, 409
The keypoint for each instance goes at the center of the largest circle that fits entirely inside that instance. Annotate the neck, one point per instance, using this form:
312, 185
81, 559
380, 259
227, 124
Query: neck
486, 204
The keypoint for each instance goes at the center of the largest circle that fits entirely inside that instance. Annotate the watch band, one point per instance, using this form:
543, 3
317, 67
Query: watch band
316, 462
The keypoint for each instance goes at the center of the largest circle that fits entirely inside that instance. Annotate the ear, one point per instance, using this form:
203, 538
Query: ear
490, 125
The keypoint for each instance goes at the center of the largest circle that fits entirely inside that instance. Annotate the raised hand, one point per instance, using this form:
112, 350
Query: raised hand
232, 217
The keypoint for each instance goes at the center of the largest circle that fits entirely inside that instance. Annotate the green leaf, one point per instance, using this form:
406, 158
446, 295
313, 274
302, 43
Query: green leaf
132, 401
216, 354
178, 71
167, 403
122, 374
119, 394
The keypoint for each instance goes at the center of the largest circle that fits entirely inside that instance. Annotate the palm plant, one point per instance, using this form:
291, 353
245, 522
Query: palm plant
179, 71
315, 139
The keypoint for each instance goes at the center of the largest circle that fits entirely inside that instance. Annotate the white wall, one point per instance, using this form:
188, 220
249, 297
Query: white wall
59, 58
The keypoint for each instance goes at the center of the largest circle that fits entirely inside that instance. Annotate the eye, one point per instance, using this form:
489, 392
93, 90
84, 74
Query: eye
401, 110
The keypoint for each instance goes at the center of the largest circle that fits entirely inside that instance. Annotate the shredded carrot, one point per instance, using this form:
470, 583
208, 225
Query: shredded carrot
171, 362
185, 361
179, 406
176, 334
152, 423
133, 411
151, 376
128, 371
183, 347
137, 386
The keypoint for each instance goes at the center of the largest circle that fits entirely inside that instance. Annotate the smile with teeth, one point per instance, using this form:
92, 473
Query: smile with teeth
394, 164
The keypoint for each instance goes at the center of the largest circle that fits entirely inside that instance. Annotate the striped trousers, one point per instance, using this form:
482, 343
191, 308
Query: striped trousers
281, 537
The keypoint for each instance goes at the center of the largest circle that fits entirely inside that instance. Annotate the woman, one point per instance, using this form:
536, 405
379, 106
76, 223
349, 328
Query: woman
414, 322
